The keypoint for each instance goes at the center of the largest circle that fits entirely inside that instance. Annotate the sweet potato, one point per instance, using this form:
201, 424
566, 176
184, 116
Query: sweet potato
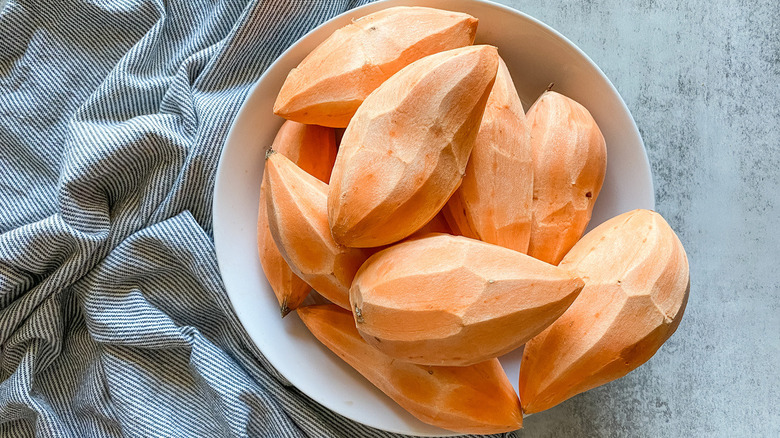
313, 149
333, 80
570, 161
436, 225
493, 204
450, 300
297, 217
406, 149
474, 399
636, 288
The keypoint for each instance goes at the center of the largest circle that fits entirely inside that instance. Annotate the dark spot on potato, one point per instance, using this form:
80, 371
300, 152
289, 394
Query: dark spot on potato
358, 314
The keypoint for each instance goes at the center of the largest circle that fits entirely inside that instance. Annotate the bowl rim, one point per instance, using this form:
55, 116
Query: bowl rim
375, 6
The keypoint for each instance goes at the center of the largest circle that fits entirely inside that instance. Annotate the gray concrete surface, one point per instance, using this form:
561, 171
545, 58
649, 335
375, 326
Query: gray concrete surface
701, 79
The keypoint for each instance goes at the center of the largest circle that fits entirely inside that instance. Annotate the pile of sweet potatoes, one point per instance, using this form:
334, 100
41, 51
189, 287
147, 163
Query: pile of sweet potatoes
446, 227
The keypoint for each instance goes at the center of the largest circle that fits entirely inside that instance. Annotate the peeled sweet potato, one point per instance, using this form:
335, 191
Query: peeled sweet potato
493, 203
313, 149
451, 300
474, 399
298, 219
436, 225
636, 288
406, 149
570, 161
333, 80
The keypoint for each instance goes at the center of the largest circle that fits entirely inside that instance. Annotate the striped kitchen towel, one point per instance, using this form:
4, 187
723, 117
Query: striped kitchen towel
113, 318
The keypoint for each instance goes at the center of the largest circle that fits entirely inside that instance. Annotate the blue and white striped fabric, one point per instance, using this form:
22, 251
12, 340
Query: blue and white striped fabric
113, 318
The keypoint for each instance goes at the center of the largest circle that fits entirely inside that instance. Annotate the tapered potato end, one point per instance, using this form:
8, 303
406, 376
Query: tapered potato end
289, 289
314, 149
327, 114
297, 218
474, 399
636, 289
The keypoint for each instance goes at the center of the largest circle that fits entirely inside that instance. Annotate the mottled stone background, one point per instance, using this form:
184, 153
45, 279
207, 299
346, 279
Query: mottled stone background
701, 79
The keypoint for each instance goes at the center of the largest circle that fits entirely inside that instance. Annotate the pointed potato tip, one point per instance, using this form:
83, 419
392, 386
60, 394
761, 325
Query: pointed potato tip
490, 52
528, 410
280, 105
284, 310
483, 47
527, 407
282, 101
472, 23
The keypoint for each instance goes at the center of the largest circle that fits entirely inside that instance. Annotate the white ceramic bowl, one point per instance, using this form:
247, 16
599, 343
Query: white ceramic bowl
536, 56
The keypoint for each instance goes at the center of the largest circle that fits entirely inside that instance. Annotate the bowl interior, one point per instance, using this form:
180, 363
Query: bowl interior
536, 56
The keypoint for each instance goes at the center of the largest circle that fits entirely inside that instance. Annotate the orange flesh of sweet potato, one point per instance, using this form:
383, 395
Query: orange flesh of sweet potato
436, 225
333, 80
447, 300
493, 203
313, 148
570, 161
474, 399
405, 151
636, 288
296, 203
